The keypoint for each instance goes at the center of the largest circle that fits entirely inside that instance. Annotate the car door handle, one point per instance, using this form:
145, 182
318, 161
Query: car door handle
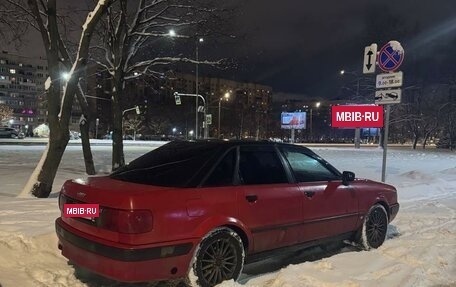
251, 198
309, 194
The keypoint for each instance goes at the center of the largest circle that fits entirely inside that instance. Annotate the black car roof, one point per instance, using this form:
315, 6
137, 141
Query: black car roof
230, 143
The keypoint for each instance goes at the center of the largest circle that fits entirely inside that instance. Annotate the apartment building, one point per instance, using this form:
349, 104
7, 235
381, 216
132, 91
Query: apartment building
22, 89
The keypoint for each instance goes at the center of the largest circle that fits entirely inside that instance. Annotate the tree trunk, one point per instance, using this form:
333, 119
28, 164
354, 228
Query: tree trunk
84, 126
118, 159
426, 137
59, 107
415, 141
86, 150
40, 183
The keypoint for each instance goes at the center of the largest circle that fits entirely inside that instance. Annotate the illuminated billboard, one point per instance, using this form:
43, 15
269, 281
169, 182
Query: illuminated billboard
295, 120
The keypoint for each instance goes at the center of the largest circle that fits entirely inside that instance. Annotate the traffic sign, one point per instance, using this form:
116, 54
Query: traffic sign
178, 99
209, 119
390, 80
370, 56
392, 96
390, 56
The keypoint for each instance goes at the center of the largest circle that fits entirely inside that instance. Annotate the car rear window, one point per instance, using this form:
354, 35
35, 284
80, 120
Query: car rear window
174, 164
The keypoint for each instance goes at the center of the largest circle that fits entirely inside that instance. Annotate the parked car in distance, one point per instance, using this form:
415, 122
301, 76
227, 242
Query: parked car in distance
214, 205
8, 133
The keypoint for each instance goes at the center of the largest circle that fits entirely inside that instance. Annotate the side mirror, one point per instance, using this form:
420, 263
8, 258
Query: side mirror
347, 176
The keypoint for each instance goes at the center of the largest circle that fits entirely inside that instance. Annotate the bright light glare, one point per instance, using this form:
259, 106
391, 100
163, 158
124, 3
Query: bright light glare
172, 33
66, 76
342, 72
201, 40
317, 105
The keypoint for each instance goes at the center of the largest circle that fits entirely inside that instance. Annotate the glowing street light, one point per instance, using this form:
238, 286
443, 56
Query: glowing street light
172, 33
317, 105
66, 76
226, 97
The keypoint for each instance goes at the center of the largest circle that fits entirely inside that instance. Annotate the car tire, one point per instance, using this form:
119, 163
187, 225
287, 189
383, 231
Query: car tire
375, 226
219, 257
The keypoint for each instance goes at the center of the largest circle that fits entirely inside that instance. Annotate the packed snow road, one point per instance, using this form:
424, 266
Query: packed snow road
420, 250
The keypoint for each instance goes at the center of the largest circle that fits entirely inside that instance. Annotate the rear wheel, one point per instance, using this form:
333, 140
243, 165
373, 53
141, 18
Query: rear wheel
374, 229
220, 257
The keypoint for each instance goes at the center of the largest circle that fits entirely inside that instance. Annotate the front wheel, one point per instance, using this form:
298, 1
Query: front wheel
373, 232
220, 257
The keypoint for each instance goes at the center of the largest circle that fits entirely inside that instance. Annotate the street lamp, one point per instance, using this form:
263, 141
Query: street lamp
199, 40
172, 33
226, 97
66, 76
317, 105
357, 130
190, 133
174, 132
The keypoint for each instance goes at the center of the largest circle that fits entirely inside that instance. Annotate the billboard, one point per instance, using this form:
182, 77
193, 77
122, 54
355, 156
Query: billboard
357, 116
296, 120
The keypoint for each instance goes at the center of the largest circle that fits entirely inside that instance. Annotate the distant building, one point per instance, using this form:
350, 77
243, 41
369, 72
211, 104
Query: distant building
248, 107
22, 88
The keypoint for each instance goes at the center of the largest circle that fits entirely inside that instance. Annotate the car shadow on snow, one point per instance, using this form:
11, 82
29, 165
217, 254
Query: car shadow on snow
305, 255
284, 259
250, 271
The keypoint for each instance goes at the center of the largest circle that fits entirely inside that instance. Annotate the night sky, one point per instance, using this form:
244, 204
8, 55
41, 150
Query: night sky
300, 46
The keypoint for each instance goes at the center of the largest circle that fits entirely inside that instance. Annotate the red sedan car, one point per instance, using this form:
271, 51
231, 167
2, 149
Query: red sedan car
214, 205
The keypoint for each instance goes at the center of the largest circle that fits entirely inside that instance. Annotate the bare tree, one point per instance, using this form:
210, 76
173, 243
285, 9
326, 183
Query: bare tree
42, 16
133, 123
129, 30
17, 17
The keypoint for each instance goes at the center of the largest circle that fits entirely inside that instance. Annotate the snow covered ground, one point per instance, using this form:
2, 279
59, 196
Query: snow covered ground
420, 250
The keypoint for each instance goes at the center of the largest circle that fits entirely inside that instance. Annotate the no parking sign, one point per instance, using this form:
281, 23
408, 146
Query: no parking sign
391, 56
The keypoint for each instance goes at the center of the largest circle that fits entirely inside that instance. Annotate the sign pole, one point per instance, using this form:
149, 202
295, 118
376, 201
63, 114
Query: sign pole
385, 142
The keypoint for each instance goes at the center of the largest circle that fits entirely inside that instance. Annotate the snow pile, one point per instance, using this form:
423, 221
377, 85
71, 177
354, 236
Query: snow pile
420, 249
41, 131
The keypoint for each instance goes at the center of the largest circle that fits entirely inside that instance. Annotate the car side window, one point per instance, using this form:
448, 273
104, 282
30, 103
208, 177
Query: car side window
223, 173
260, 166
306, 168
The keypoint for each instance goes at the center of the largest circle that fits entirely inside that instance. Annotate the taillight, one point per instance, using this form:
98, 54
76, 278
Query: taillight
126, 221
61, 200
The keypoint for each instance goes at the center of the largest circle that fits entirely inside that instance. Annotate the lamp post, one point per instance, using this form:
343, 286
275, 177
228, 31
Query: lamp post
199, 40
357, 139
97, 123
317, 105
226, 97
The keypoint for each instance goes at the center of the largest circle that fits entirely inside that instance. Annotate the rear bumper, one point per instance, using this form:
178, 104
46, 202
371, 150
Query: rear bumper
125, 263
394, 209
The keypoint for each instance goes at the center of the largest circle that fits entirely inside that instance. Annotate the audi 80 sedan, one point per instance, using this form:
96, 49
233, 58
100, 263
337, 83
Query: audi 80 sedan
211, 206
